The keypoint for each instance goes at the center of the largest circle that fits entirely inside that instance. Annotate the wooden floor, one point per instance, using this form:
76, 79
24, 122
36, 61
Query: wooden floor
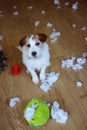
70, 43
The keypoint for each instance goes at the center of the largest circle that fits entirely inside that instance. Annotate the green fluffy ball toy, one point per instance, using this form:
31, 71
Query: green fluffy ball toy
36, 113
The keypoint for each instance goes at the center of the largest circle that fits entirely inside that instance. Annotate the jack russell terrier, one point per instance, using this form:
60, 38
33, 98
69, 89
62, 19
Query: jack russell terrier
35, 55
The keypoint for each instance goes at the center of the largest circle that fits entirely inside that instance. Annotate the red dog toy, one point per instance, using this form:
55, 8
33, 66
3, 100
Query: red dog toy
15, 70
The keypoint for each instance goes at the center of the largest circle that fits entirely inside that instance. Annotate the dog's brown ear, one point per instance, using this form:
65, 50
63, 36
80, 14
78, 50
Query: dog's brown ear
23, 41
42, 37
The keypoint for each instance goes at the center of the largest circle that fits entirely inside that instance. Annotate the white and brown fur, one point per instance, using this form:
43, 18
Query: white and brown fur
35, 55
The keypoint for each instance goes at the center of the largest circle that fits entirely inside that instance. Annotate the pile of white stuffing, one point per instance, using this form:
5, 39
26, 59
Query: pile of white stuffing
75, 63
50, 79
58, 114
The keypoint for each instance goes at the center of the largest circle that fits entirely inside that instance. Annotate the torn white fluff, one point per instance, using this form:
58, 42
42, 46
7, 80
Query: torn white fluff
16, 13
43, 12
56, 1
29, 113
13, 101
50, 79
68, 63
30, 7
1, 15
74, 25
81, 61
37, 23
1, 37
58, 114
66, 3
54, 39
85, 39
75, 6
79, 84
74, 63
83, 28
49, 25
54, 34
14, 6
84, 54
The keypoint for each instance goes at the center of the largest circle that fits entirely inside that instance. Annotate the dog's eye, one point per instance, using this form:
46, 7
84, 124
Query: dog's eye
28, 45
37, 43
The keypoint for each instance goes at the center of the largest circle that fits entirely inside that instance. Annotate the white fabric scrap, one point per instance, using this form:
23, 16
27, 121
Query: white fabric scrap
83, 28
84, 54
1, 37
13, 101
85, 39
16, 13
79, 84
66, 3
74, 63
57, 2
29, 113
75, 6
58, 114
37, 23
43, 11
1, 15
14, 6
54, 36
30, 7
49, 25
50, 79
74, 25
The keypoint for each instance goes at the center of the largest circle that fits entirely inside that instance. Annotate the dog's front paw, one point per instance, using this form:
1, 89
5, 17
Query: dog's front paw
35, 80
42, 77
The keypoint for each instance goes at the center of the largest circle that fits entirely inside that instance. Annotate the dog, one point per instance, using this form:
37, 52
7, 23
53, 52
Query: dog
35, 55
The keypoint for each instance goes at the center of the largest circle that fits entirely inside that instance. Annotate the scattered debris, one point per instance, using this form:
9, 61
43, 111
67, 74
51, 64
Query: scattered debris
85, 39
58, 114
43, 11
74, 63
13, 101
54, 36
1, 37
83, 28
79, 84
49, 25
57, 2
75, 6
50, 79
30, 7
16, 13
74, 25
37, 23
66, 3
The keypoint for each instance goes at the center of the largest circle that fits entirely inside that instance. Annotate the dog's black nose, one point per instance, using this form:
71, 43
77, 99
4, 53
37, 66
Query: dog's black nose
34, 53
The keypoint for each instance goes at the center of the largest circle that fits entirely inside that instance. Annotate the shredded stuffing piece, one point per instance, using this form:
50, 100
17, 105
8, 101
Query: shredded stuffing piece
58, 114
74, 63
16, 13
1, 37
37, 23
30, 112
50, 79
30, 7
85, 39
79, 84
54, 36
75, 6
57, 2
83, 28
13, 101
49, 25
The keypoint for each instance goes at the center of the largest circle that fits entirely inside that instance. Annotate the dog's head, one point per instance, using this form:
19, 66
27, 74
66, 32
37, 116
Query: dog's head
33, 45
